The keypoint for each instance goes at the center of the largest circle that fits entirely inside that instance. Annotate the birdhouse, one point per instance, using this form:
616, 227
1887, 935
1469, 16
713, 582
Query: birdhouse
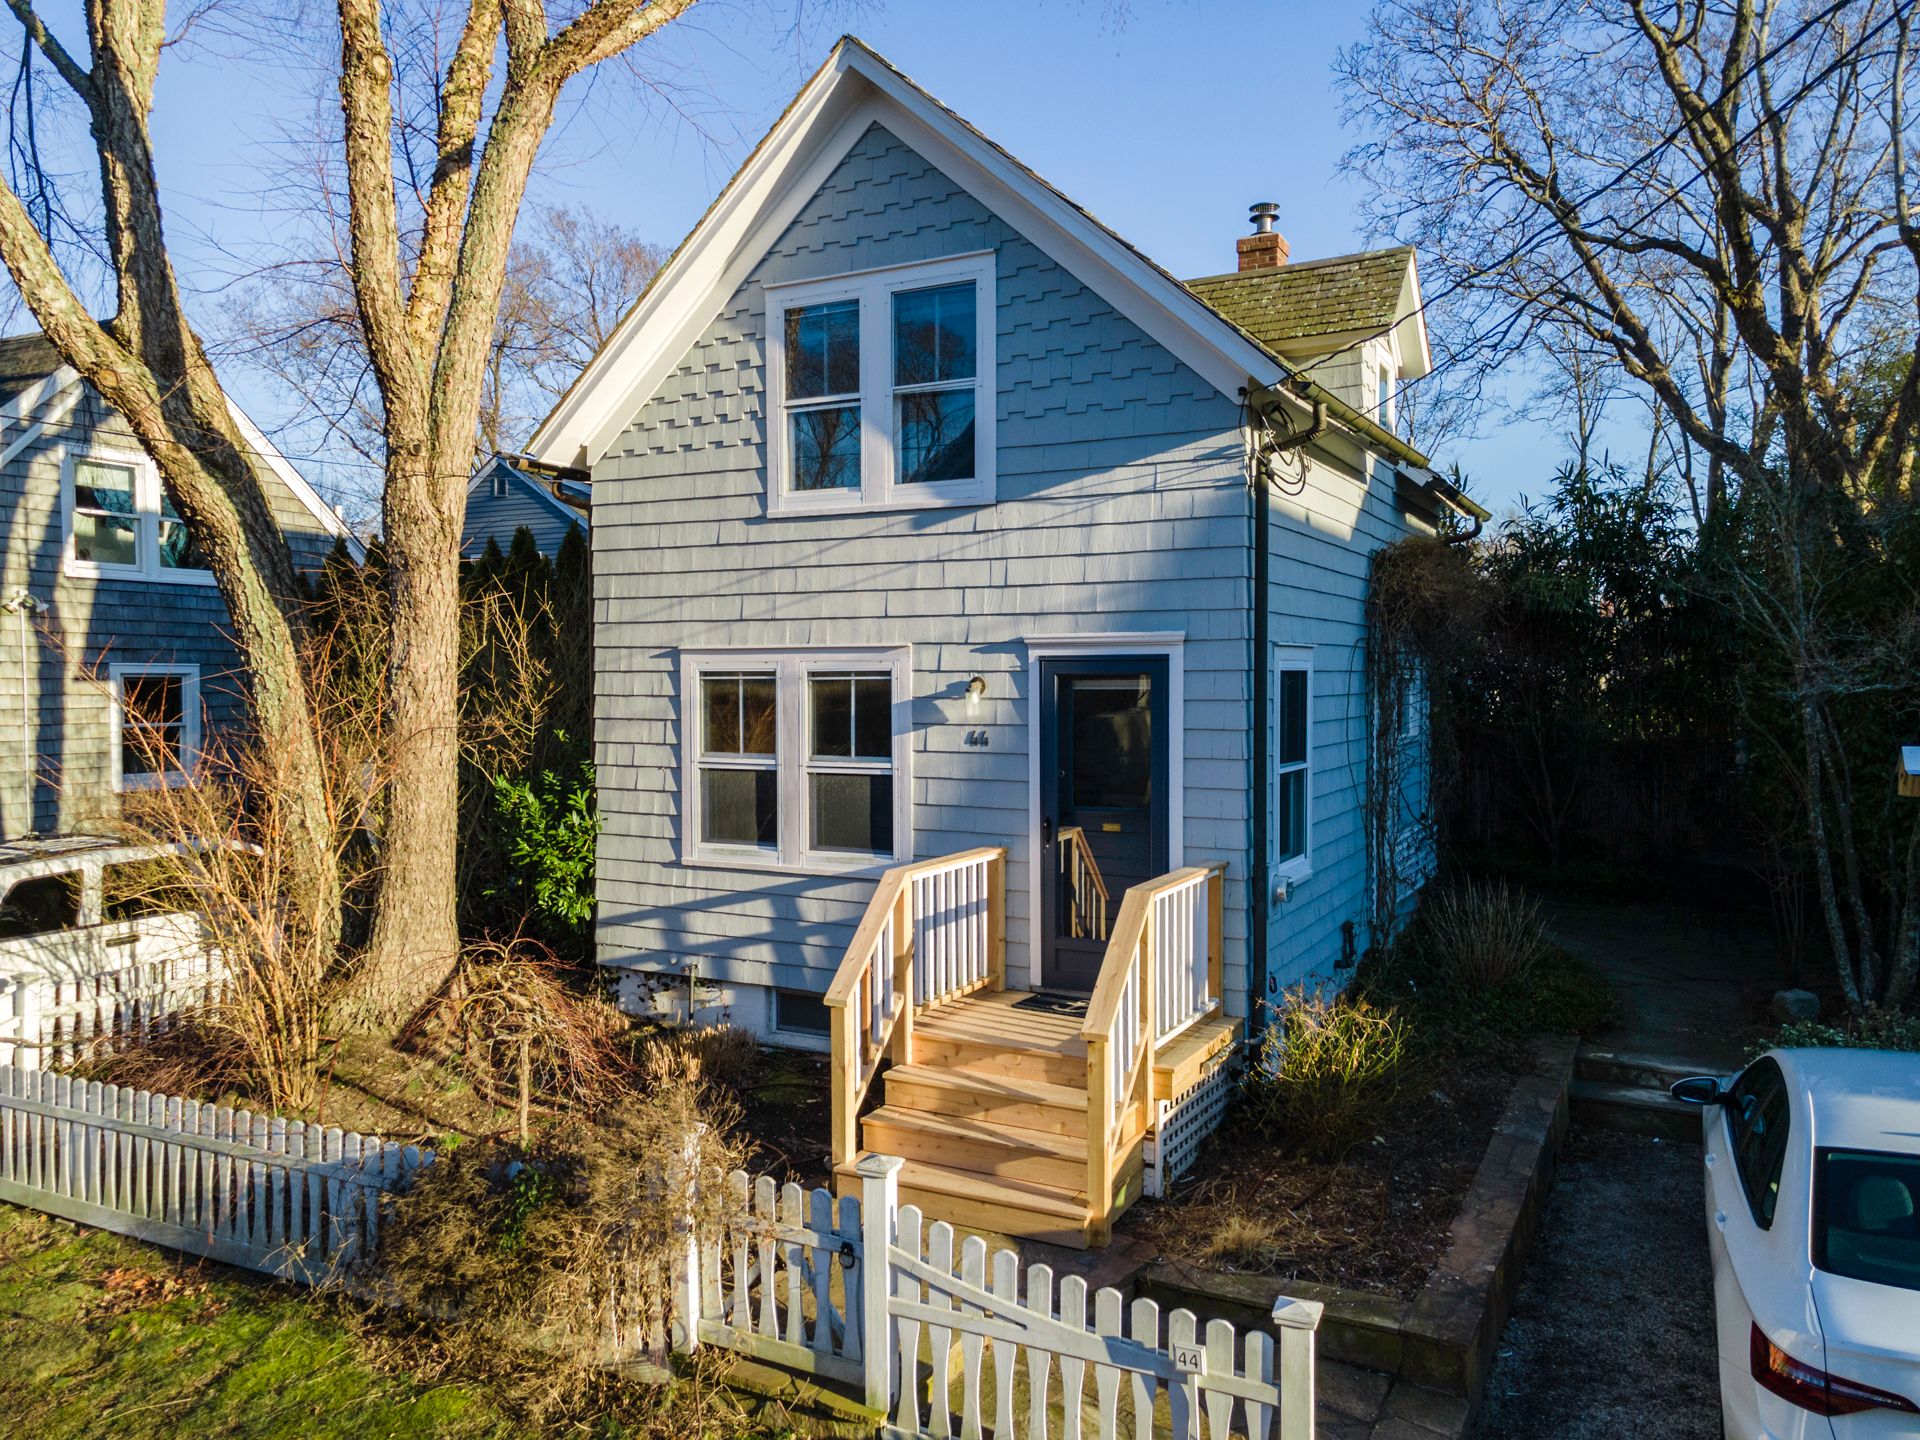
1907, 771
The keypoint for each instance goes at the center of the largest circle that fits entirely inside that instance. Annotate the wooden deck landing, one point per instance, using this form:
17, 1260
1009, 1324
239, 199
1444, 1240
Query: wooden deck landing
991, 1115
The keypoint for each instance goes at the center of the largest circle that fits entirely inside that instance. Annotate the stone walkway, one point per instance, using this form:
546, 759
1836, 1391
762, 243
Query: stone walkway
1356, 1404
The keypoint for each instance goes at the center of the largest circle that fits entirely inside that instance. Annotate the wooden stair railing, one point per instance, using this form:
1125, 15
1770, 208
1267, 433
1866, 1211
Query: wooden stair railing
1086, 886
1161, 973
935, 930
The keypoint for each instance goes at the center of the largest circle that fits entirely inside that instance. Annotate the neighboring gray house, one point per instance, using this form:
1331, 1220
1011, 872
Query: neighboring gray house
504, 497
929, 516
107, 620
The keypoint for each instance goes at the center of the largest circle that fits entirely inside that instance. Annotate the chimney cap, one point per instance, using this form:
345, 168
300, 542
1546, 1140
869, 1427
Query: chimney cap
1263, 216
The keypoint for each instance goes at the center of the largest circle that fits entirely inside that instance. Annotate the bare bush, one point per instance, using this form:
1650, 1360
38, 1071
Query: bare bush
1483, 937
723, 1055
561, 1247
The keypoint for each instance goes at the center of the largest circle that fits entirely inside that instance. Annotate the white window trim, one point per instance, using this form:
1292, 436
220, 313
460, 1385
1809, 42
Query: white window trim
146, 506
874, 289
1299, 868
190, 727
791, 666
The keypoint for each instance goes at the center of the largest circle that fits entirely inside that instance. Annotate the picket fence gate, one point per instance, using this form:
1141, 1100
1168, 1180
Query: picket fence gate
967, 1343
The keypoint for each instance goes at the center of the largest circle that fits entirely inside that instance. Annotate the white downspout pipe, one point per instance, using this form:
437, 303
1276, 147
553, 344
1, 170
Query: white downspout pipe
21, 604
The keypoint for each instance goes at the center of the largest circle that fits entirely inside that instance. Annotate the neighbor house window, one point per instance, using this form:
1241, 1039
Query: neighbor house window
797, 758
156, 724
121, 522
1292, 757
883, 388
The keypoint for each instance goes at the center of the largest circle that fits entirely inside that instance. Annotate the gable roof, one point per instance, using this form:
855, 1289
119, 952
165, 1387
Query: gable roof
1370, 293
571, 511
32, 372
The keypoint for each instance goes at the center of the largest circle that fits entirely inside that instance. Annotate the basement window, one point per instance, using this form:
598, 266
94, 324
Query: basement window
801, 1013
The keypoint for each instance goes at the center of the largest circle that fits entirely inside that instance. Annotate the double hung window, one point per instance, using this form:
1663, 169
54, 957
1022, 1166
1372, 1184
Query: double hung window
797, 759
882, 385
1291, 838
120, 521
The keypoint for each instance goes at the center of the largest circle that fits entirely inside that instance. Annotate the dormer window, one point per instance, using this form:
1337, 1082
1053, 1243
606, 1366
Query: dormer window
882, 388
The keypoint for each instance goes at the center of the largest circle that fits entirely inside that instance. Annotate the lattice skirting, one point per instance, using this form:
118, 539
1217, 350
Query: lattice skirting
1182, 1123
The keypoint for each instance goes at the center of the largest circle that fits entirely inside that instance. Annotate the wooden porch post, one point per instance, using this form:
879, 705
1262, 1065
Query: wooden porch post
879, 1200
997, 921
1216, 934
1099, 1143
903, 962
846, 1081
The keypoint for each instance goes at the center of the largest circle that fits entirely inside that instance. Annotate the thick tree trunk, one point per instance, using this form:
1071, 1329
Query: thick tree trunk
416, 939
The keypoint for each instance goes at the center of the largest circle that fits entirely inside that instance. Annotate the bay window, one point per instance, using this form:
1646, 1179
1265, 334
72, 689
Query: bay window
882, 386
796, 759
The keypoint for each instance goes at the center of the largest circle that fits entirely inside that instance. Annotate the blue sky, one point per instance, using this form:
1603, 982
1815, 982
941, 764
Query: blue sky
1166, 121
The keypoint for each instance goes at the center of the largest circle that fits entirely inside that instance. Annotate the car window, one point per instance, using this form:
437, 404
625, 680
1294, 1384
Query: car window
34, 907
1758, 1120
1866, 1216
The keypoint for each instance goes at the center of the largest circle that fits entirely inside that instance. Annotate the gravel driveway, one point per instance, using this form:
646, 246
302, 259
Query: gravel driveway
1612, 1335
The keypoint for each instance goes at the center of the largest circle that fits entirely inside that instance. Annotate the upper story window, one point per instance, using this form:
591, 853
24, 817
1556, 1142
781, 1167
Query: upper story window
882, 388
119, 521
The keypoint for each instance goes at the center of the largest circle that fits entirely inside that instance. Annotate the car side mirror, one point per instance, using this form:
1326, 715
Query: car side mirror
1698, 1090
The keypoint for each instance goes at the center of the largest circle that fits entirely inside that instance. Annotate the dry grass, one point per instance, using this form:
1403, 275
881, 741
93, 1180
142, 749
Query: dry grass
1327, 1072
1483, 937
1246, 1240
722, 1055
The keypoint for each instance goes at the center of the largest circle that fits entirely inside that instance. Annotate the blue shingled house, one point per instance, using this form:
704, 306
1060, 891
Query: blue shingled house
976, 622
114, 641
504, 497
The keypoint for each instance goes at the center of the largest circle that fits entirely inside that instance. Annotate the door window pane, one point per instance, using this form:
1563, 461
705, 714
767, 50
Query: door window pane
740, 807
825, 443
934, 335
1111, 724
152, 724
935, 430
823, 350
853, 812
741, 715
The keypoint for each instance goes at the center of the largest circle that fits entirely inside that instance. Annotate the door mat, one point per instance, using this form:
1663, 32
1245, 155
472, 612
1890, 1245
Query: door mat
1053, 1002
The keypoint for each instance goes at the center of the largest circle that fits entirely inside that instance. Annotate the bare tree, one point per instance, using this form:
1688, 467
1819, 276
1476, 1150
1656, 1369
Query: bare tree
1716, 195
148, 364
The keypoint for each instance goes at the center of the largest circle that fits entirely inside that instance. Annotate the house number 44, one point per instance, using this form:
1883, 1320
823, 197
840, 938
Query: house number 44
1190, 1359
978, 737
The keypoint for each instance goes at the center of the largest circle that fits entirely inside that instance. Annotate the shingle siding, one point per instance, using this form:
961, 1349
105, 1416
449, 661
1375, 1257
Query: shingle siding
497, 517
1120, 508
86, 625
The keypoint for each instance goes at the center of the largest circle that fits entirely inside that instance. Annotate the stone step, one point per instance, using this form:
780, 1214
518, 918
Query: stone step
1637, 1109
1628, 1067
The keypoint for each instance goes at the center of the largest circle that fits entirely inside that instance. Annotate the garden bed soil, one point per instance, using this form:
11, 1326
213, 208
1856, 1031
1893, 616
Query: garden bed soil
1378, 1221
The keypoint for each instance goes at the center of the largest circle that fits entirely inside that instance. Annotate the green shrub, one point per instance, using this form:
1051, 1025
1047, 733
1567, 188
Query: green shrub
1482, 937
1326, 1073
1874, 1029
550, 828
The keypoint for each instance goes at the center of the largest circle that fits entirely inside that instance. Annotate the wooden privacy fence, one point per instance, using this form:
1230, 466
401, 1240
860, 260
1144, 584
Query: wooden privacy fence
296, 1201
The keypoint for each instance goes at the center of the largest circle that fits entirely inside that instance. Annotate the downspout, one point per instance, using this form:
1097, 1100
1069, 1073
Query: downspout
1265, 446
21, 604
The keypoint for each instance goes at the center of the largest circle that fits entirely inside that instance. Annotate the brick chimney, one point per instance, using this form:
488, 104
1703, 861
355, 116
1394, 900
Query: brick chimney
1266, 248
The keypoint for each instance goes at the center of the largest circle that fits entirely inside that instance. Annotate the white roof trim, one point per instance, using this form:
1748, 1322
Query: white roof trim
308, 497
39, 392
559, 506
851, 91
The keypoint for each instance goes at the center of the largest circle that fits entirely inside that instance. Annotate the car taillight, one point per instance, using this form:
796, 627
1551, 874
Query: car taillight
1814, 1389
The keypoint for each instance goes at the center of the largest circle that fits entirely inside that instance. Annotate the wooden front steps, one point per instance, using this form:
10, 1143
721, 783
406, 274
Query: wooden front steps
991, 1118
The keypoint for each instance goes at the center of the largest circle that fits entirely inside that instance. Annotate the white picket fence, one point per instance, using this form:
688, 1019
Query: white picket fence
65, 993
292, 1200
970, 1343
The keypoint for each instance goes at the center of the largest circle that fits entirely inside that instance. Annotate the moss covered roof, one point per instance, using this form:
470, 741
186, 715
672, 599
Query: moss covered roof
1290, 303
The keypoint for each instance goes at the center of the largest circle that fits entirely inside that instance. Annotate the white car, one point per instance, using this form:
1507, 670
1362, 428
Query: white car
1813, 1218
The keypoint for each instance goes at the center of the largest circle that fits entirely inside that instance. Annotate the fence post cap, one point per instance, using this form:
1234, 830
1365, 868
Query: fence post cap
1293, 1314
877, 1167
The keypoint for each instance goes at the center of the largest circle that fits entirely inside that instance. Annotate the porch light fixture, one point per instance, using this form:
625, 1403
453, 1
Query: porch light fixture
976, 692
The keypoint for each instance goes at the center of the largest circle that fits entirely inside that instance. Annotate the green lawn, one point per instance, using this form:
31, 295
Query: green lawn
106, 1336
